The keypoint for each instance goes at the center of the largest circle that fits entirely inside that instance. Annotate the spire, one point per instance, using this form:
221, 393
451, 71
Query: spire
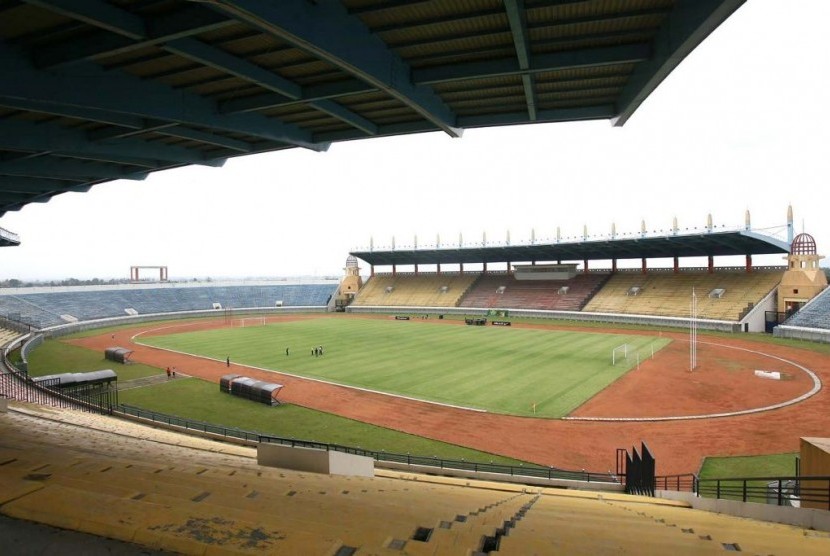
747, 224
790, 224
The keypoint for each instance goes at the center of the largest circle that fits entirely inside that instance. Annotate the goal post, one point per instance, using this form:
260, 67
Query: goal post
619, 352
249, 321
642, 352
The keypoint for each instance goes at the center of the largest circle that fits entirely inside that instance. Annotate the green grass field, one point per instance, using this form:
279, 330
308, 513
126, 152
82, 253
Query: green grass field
200, 400
498, 369
773, 465
57, 357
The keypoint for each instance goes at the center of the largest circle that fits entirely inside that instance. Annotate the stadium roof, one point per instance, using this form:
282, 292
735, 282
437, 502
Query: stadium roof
98, 90
743, 242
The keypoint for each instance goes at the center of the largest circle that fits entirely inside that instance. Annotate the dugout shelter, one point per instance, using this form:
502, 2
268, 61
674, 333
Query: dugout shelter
250, 389
118, 354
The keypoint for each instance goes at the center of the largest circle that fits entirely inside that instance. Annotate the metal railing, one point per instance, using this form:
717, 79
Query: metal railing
381, 456
685, 482
806, 491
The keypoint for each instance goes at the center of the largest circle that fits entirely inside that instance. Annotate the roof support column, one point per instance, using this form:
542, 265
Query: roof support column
438, 269
416, 269
749, 264
644, 265
372, 271
613, 265
485, 267
461, 268
509, 268
585, 263
394, 270
711, 264
677, 265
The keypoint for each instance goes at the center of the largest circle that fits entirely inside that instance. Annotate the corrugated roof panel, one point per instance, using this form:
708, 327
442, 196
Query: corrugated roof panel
441, 30
478, 84
225, 84
159, 65
541, 11
21, 21
191, 77
492, 52
382, 14
456, 44
252, 43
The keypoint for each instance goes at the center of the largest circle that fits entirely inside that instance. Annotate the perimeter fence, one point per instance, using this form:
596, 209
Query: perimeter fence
380, 456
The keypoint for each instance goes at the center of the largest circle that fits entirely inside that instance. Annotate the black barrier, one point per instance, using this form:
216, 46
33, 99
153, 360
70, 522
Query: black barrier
501, 323
477, 321
638, 470
401, 317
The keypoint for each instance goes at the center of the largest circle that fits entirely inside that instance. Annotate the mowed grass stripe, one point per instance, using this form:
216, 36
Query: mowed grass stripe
498, 369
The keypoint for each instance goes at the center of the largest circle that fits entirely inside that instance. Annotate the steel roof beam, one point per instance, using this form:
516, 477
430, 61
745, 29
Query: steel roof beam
187, 22
134, 27
541, 63
221, 60
94, 88
20, 184
83, 114
311, 93
599, 112
686, 26
70, 142
326, 30
172, 130
98, 14
454, 72
48, 167
517, 17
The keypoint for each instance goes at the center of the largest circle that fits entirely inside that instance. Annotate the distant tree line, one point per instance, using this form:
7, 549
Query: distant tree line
15, 283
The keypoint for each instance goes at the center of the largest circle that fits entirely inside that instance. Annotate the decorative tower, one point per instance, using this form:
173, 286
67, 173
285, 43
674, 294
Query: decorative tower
350, 284
803, 279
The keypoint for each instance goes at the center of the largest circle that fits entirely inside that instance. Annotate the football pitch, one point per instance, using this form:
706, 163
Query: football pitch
520, 371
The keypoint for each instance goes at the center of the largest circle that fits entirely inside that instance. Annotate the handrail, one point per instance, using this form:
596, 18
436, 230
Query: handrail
409, 459
802, 490
683, 482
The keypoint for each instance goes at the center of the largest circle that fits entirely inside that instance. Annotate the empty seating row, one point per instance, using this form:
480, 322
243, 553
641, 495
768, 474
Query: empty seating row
720, 295
422, 290
815, 314
198, 497
505, 291
53, 308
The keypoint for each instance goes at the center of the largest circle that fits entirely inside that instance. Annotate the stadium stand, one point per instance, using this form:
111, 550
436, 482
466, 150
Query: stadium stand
7, 335
192, 495
54, 308
815, 314
411, 290
723, 295
505, 291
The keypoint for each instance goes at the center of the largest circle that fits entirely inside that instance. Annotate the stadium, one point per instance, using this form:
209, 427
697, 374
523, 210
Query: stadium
556, 395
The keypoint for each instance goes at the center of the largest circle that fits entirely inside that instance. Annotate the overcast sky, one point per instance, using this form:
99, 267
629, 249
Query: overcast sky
739, 125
